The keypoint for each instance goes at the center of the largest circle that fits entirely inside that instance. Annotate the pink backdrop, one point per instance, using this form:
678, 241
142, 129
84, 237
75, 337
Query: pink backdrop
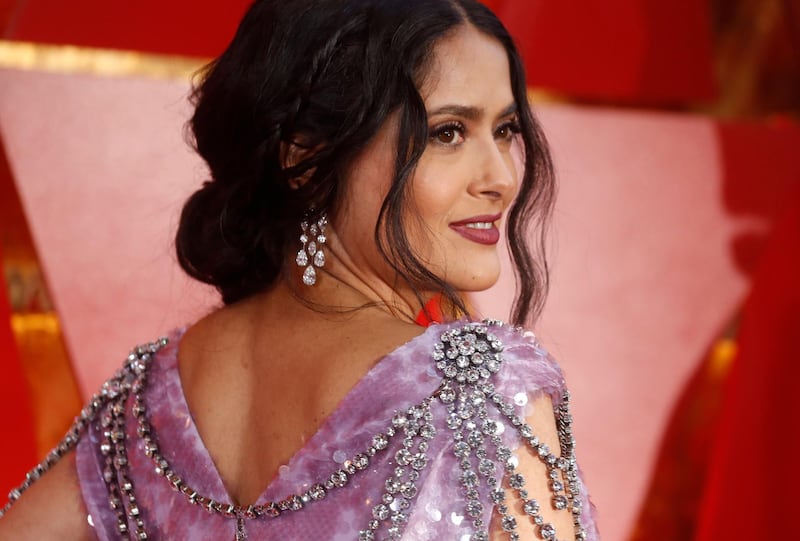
643, 270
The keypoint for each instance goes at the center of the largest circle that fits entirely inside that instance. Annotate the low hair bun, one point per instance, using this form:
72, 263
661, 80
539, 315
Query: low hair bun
220, 241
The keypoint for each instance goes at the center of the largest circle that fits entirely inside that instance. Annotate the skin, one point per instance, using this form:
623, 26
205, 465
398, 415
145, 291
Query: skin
272, 344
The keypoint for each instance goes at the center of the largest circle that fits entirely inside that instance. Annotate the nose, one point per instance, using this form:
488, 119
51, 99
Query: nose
497, 167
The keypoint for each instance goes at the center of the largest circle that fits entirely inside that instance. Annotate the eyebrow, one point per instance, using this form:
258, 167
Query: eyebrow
469, 112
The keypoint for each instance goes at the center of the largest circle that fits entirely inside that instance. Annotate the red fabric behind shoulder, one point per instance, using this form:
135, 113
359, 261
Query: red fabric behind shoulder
752, 469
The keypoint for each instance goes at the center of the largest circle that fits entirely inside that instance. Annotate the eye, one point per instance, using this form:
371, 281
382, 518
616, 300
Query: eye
449, 134
508, 130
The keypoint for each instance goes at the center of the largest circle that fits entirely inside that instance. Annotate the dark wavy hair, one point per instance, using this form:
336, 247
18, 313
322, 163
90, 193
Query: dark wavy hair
325, 75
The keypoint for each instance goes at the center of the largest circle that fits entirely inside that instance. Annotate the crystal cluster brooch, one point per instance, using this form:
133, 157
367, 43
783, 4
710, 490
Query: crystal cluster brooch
468, 357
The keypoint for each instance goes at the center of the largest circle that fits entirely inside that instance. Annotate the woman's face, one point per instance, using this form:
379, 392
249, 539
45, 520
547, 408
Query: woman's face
466, 178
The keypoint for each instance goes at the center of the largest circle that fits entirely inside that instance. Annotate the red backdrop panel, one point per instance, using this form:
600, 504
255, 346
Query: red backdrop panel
647, 51
16, 430
183, 27
637, 50
761, 171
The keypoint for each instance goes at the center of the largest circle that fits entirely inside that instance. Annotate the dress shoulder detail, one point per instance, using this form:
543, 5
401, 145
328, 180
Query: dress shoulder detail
449, 448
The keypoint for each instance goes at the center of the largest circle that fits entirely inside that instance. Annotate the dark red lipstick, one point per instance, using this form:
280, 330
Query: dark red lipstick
480, 229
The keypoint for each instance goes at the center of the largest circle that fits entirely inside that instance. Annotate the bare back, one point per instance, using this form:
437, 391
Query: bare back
259, 385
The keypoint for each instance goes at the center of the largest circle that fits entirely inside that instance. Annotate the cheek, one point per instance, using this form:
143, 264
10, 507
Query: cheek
356, 216
437, 192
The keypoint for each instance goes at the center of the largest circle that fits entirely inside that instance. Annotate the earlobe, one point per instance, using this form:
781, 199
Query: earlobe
291, 155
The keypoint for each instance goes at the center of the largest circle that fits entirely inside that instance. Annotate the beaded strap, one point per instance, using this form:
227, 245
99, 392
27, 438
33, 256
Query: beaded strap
467, 357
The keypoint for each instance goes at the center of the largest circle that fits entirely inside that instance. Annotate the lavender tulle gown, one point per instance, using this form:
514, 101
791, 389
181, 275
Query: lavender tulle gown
401, 379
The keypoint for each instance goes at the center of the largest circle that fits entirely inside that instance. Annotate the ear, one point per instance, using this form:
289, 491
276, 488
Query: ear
291, 154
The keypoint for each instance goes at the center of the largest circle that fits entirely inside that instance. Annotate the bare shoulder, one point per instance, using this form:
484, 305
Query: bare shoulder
52, 508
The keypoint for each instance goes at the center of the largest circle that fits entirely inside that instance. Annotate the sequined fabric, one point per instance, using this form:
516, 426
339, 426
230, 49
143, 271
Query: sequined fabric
403, 378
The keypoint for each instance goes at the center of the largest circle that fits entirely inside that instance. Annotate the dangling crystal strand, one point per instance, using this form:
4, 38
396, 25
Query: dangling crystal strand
455, 364
569, 464
478, 428
411, 459
503, 456
467, 357
110, 473
122, 498
531, 507
516, 481
113, 434
566, 466
124, 484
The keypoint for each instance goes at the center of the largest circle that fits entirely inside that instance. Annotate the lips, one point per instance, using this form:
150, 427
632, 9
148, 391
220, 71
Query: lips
480, 229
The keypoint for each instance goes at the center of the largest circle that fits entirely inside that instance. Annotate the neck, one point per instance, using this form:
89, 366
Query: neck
345, 285
345, 290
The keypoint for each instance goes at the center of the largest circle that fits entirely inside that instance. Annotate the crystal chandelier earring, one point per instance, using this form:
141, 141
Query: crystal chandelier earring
310, 254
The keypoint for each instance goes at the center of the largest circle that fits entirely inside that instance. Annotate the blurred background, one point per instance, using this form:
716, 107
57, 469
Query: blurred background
675, 304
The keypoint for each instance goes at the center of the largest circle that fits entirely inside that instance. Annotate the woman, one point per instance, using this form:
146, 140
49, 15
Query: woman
363, 154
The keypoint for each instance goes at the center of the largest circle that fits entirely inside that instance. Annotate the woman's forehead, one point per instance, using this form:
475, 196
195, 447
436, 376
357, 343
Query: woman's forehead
468, 68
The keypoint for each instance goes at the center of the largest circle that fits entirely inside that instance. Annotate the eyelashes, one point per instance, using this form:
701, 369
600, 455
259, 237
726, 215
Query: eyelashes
508, 129
448, 134
453, 133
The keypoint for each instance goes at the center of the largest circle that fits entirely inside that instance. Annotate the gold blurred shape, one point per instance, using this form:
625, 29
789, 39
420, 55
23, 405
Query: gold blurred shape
104, 62
55, 399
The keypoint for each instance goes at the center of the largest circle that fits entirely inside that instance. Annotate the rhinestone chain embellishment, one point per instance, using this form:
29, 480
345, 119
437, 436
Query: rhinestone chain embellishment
121, 495
109, 403
68, 443
401, 488
293, 502
466, 356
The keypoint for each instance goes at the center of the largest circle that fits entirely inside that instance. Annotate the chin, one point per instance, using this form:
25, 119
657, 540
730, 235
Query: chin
475, 273
476, 283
